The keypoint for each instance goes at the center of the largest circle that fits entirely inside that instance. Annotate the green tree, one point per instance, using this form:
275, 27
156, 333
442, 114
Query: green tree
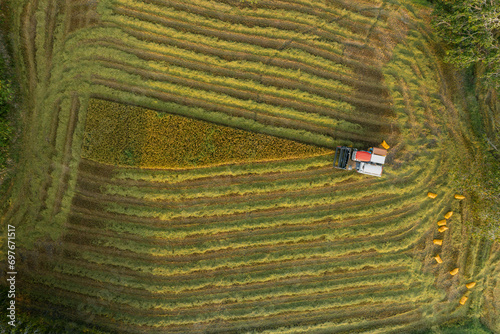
472, 29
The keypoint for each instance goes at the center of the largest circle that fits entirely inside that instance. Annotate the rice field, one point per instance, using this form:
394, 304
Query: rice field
115, 233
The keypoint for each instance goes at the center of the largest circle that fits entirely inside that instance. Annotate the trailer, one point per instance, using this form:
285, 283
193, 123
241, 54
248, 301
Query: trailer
368, 162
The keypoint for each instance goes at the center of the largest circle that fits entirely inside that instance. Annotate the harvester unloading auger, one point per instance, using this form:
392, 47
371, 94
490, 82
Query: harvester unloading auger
365, 162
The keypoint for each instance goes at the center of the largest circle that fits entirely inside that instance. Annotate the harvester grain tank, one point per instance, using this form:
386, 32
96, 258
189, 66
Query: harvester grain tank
365, 162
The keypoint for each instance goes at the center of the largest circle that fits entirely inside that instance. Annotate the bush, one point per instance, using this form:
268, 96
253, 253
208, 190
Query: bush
472, 30
5, 128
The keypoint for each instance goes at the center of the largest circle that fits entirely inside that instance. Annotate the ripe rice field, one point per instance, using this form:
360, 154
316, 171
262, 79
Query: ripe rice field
272, 241
119, 135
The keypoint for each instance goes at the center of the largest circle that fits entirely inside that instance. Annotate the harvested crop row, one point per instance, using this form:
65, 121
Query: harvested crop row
247, 293
144, 19
131, 230
220, 114
220, 251
87, 187
200, 176
170, 210
246, 90
174, 265
203, 178
257, 102
326, 12
239, 309
57, 297
289, 63
345, 266
138, 288
337, 88
267, 219
272, 29
233, 193
242, 239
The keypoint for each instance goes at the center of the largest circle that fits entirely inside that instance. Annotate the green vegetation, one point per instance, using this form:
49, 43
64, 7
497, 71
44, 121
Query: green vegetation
278, 243
48, 323
468, 326
6, 96
472, 29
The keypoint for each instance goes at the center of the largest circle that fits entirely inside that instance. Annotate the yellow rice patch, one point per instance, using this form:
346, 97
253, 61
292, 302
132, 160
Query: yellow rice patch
119, 134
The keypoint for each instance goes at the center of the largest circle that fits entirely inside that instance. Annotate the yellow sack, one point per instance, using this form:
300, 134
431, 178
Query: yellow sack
438, 259
385, 145
463, 300
470, 285
448, 215
454, 272
442, 229
460, 197
437, 242
442, 222
431, 195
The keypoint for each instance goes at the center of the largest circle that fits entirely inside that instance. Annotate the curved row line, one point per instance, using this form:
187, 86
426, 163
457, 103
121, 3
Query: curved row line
278, 304
401, 240
232, 116
244, 239
227, 35
56, 297
233, 294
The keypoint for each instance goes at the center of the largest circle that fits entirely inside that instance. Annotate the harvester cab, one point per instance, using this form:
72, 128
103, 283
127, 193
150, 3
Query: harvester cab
365, 162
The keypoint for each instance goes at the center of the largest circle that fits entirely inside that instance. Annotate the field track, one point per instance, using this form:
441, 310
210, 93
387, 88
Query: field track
284, 246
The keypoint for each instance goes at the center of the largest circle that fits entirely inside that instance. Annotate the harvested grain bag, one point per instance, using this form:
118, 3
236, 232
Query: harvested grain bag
470, 285
442, 222
442, 229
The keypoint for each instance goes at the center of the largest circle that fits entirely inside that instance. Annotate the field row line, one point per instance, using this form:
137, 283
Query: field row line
102, 310
289, 199
166, 247
176, 266
329, 85
232, 192
278, 19
232, 294
258, 187
287, 223
205, 209
241, 309
357, 210
278, 103
233, 172
243, 276
157, 289
190, 32
277, 29
224, 186
322, 119
220, 114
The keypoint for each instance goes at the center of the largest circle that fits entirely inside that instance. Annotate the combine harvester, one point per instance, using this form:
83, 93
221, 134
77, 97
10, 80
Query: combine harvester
365, 162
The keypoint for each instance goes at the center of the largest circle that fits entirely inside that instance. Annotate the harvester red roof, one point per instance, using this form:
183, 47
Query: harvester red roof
363, 156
